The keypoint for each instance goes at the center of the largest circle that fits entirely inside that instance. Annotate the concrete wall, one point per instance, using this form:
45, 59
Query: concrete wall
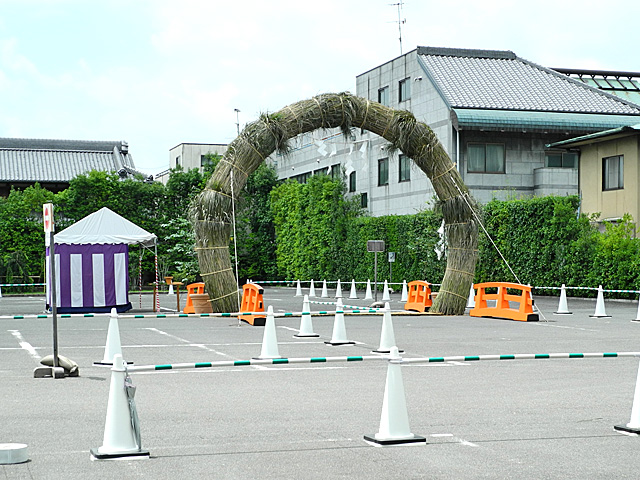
188, 155
611, 204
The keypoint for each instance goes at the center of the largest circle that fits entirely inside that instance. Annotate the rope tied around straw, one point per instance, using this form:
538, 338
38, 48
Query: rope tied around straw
366, 112
452, 293
453, 165
460, 271
234, 166
210, 248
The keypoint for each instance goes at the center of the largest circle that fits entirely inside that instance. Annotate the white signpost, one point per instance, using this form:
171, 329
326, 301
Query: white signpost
49, 228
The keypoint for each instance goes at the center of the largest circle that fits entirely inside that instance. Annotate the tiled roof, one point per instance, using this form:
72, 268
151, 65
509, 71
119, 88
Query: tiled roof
489, 79
36, 160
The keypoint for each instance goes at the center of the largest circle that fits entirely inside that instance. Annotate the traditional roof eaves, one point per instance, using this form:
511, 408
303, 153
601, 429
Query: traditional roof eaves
625, 130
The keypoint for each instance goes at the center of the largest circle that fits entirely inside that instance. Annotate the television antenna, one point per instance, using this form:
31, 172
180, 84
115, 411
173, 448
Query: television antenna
400, 21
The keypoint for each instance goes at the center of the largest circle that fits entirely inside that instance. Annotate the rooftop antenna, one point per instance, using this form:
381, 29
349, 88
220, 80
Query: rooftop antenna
400, 22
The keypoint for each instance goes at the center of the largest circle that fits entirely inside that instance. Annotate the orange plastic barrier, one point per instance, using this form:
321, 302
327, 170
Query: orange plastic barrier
252, 302
418, 296
197, 288
502, 309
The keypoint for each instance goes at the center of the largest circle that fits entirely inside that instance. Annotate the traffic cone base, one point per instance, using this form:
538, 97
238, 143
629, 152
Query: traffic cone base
627, 430
347, 342
395, 441
383, 350
137, 455
306, 335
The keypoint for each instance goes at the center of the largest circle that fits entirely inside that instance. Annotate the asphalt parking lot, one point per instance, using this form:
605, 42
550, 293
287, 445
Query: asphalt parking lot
504, 419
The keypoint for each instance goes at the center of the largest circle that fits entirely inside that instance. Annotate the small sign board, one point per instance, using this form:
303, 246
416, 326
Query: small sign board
375, 245
392, 257
47, 217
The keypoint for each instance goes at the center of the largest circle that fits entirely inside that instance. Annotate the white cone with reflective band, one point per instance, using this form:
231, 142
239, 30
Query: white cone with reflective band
600, 311
324, 293
339, 290
312, 290
339, 335
113, 346
353, 293
405, 293
298, 289
385, 292
269, 339
119, 438
563, 308
306, 324
368, 295
471, 302
394, 420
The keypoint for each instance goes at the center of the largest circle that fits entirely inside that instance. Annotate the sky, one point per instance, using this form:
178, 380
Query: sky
158, 73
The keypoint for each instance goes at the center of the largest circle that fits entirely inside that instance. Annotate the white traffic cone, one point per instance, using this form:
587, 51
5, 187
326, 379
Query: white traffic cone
339, 290
394, 420
312, 290
353, 293
339, 335
119, 438
471, 302
405, 293
600, 311
113, 346
306, 325
269, 339
385, 292
637, 313
170, 289
387, 337
298, 289
368, 295
324, 293
634, 424
563, 308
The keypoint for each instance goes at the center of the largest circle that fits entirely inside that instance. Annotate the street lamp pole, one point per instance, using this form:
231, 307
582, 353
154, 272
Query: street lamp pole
237, 120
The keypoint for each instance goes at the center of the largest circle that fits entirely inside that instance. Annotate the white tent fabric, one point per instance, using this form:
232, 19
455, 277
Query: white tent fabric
104, 226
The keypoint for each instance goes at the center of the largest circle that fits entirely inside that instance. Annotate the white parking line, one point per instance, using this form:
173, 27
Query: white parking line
25, 345
197, 345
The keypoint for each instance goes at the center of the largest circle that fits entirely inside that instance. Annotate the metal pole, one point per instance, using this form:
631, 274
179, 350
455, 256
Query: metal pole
54, 299
375, 274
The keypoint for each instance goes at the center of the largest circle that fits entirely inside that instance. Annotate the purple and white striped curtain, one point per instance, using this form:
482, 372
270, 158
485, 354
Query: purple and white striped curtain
91, 277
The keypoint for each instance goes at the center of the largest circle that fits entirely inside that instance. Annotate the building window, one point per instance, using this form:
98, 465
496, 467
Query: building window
363, 200
561, 160
405, 168
383, 96
178, 160
352, 182
335, 171
613, 173
404, 92
383, 172
485, 158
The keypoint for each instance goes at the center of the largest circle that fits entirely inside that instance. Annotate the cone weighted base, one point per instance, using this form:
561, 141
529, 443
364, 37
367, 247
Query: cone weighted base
108, 364
306, 335
627, 429
383, 350
340, 343
395, 441
96, 455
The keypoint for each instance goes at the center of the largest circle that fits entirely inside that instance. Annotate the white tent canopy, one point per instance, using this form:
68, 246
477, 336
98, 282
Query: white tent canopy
107, 227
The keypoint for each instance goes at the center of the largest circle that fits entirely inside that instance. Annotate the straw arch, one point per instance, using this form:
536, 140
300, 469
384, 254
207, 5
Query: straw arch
211, 210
